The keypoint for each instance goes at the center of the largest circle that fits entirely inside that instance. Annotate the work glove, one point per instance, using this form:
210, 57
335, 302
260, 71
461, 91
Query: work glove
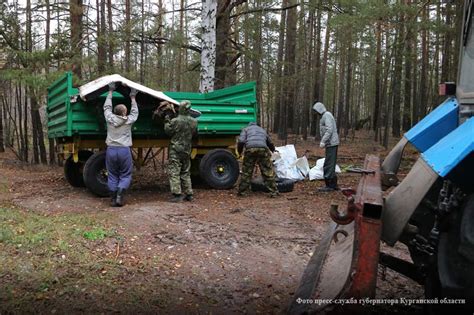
111, 86
322, 145
133, 92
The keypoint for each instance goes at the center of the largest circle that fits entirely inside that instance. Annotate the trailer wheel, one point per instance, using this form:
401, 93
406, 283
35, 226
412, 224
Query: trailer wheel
283, 184
195, 176
219, 169
95, 174
73, 171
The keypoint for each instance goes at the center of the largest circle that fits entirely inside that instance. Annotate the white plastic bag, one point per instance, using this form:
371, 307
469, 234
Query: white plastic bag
317, 171
287, 164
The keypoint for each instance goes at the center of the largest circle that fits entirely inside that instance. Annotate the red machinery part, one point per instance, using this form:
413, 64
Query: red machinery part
345, 263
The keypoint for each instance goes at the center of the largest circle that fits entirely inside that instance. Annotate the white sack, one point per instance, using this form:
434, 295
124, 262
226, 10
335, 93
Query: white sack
287, 164
317, 171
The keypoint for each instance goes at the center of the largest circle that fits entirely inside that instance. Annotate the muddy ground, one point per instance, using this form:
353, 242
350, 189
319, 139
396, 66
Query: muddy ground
218, 254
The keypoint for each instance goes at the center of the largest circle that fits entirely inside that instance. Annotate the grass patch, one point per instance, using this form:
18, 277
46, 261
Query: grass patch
67, 262
95, 234
43, 256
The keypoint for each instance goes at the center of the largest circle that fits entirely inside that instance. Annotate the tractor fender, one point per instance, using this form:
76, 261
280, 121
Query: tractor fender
436, 162
401, 203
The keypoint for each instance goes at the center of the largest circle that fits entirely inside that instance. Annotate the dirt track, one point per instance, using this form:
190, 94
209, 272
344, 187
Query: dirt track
218, 254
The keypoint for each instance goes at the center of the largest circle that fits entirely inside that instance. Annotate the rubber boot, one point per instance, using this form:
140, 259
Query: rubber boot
334, 183
242, 194
113, 199
274, 194
120, 197
177, 198
328, 187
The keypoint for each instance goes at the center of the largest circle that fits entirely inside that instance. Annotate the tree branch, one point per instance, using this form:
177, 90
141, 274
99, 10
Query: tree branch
258, 10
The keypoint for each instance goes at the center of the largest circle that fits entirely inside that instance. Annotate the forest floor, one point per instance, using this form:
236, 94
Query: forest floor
64, 250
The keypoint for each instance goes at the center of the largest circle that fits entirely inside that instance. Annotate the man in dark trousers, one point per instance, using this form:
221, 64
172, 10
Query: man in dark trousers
181, 130
118, 159
257, 146
330, 141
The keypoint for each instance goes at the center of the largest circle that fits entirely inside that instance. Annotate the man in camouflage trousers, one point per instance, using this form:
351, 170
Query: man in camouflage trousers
257, 145
181, 130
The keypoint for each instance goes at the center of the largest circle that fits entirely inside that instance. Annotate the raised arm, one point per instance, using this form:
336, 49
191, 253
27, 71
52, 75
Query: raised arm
108, 114
134, 110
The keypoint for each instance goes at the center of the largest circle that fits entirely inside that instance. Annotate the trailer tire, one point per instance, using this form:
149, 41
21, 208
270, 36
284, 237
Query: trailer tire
95, 174
283, 184
219, 169
73, 171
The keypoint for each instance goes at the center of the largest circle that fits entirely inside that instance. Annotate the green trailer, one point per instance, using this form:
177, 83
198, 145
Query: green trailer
77, 125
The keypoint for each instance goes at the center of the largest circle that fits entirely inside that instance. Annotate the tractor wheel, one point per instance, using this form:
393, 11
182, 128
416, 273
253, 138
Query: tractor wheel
95, 174
73, 171
283, 184
454, 276
219, 169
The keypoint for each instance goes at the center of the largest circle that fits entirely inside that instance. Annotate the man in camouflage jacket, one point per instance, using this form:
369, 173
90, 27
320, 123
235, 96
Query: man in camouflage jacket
257, 145
181, 130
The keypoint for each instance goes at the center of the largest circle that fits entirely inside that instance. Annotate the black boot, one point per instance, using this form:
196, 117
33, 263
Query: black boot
113, 199
334, 183
189, 198
120, 197
328, 187
177, 198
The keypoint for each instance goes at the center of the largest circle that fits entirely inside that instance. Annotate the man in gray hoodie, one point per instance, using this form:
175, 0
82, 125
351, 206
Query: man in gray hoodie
329, 141
118, 159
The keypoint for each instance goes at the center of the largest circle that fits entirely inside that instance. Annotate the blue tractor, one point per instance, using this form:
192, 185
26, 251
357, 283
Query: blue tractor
431, 211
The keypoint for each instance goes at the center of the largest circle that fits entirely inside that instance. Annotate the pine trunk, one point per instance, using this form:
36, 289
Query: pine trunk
76, 13
408, 74
2, 145
101, 37
289, 69
110, 34
127, 35
396, 89
278, 104
377, 79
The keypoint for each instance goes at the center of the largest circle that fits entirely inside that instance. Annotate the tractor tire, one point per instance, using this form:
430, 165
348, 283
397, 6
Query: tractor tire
95, 174
73, 171
455, 263
283, 184
219, 169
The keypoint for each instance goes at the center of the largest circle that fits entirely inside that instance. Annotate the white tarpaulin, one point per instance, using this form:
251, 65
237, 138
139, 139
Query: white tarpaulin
317, 171
288, 165
101, 82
